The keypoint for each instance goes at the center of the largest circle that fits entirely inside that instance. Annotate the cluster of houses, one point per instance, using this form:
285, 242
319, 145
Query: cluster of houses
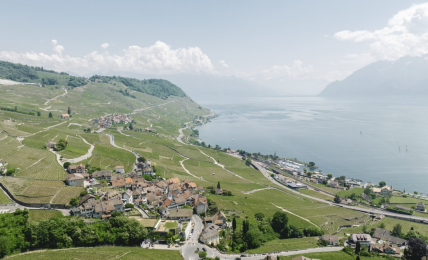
108, 121
381, 242
79, 177
168, 197
291, 184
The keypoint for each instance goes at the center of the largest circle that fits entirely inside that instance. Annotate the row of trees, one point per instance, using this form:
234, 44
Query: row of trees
18, 235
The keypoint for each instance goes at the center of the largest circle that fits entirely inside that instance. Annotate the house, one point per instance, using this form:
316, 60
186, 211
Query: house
218, 219
148, 170
120, 169
385, 190
420, 207
80, 168
331, 239
201, 205
65, 116
210, 235
385, 235
51, 145
386, 248
102, 175
218, 191
118, 183
180, 214
127, 197
334, 184
364, 239
87, 198
75, 179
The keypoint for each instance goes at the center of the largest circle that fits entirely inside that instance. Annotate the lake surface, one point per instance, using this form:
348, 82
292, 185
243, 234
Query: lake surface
363, 139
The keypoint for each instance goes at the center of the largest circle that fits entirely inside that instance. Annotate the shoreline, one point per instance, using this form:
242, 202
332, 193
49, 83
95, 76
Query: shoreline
318, 168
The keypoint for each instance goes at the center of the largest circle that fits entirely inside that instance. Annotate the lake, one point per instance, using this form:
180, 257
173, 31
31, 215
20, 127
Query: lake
364, 139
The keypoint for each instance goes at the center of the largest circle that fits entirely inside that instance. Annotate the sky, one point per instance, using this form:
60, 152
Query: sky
295, 46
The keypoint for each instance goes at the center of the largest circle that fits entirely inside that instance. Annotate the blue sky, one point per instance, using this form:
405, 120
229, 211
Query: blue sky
278, 43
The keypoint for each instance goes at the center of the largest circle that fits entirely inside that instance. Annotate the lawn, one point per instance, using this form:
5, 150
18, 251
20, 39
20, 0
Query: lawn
347, 193
3, 198
401, 199
101, 253
286, 245
37, 215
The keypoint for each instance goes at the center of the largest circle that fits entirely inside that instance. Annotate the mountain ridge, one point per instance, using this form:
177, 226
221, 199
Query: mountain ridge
405, 76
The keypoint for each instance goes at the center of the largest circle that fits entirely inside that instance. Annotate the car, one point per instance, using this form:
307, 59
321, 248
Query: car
204, 249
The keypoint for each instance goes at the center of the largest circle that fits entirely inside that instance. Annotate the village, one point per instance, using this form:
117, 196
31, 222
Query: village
168, 207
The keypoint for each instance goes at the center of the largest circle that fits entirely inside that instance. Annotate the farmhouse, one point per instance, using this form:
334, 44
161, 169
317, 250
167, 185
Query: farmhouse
64, 116
120, 169
385, 235
364, 239
80, 168
210, 235
51, 145
102, 175
420, 207
75, 179
331, 239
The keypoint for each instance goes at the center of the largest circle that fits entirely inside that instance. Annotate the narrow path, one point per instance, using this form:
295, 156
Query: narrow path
305, 219
83, 157
161, 105
188, 172
53, 197
46, 103
252, 191
137, 155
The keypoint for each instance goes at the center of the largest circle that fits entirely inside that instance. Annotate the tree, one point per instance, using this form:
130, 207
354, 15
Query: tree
38, 113
69, 110
248, 161
337, 199
279, 222
66, 164
311, 165
358, 257
253, 238
329, 176
142, 159
259, 216
129, 205
202, 254
245, 227
234, 224
368, 191
416, 249
50, 114
382, 225
358, 248
382, 184
396, 231
83, 193
218, 185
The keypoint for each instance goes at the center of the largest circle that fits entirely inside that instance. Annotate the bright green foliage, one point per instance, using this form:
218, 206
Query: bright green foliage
155, 87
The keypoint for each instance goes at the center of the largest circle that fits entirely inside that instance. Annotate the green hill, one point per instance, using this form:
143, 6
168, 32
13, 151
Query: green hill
155, 87
23, 73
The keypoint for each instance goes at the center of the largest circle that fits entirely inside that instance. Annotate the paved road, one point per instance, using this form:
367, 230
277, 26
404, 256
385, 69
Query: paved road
137, 155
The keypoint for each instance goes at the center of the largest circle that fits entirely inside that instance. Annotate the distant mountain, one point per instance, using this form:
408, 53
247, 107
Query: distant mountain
405, 76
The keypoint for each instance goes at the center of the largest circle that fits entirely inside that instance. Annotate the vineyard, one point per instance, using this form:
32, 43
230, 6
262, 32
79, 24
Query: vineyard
65, 194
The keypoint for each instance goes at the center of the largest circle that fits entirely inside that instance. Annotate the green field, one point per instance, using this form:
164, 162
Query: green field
101, 253
36, 215
285, 245
4, 198
347, 193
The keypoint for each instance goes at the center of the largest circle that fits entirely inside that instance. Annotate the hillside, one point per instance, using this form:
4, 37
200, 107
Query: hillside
406, 76
28, 74
24, 73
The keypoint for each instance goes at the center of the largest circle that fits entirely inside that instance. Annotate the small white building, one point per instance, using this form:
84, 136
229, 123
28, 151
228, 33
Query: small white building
120, 169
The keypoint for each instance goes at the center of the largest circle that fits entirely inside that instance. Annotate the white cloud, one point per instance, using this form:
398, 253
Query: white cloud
105, 45
224, 64
295, 71
405, 34
158, 58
